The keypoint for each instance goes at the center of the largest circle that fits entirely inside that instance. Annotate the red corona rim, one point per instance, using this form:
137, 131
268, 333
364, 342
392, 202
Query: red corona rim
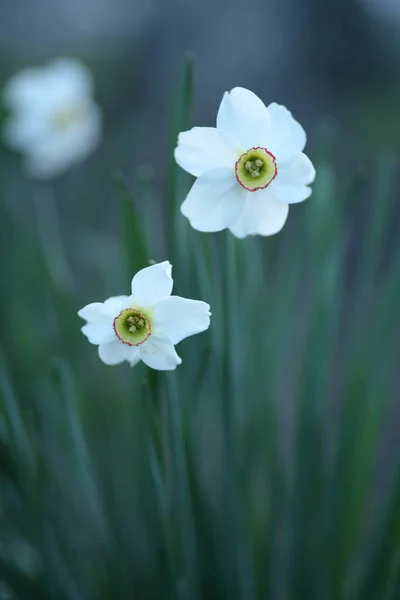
138, 313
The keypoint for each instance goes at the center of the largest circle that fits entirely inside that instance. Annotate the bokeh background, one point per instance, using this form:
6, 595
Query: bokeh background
68, 455
334, 62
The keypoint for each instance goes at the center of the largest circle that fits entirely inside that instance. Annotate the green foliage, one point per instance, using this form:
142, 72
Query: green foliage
254, 470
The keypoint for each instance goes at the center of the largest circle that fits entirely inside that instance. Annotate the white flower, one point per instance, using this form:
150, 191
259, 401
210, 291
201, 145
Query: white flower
249, 168
147, 324
55, 121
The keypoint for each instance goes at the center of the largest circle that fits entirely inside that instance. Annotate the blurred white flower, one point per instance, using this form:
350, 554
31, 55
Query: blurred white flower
249, 168
147, 324
55, 121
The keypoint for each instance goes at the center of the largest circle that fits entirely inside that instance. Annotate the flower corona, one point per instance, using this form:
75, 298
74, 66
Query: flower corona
255, 169
132, 327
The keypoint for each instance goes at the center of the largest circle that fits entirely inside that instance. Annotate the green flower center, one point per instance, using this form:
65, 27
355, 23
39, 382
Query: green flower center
132, 327
255, 169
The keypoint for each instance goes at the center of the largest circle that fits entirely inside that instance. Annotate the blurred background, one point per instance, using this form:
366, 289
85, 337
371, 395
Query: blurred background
322, 58
325, 60
332, 63
92, 508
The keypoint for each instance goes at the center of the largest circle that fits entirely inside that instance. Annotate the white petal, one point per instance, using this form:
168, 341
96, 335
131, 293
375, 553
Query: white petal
204, 148
152, 285
290, 194
286, 136
56, 150
290, 185
214, 201
115, 304
179, 317
98, 333
25, 89
159, 353
24, 129
116, 352
99, 317
300, 170
263, 215
62, 81
133, 356
104, 312
245, 117
70, 77
95, 313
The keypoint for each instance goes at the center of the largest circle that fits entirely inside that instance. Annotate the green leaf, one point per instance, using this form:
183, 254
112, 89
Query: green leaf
133, 237
177, 180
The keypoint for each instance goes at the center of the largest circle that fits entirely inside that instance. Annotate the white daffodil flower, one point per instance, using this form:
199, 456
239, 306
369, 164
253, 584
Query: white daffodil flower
147, 324
54, 120
249, 168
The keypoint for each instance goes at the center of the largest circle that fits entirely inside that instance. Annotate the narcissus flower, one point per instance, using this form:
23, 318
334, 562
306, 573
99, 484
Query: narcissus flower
147, 324
54, 120
249, 168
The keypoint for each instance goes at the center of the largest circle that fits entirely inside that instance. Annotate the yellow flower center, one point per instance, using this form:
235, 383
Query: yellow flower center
255, 169
65, 117
132, 327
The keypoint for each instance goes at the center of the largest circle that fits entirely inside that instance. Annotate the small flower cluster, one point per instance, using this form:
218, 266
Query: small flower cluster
249, 169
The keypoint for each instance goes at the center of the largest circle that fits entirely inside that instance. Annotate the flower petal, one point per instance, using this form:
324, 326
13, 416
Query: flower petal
179, 317
55, 150
158, 352
286, 136
133, 356
204, 148
263, 215
214, 201
98, 333
24, 129
62, 80
104, 312
245, 117
291, 194
70, 78
290, 186
100, 316
24, 89
95, 313
299, 170
152, 285
116, 352
115, 304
